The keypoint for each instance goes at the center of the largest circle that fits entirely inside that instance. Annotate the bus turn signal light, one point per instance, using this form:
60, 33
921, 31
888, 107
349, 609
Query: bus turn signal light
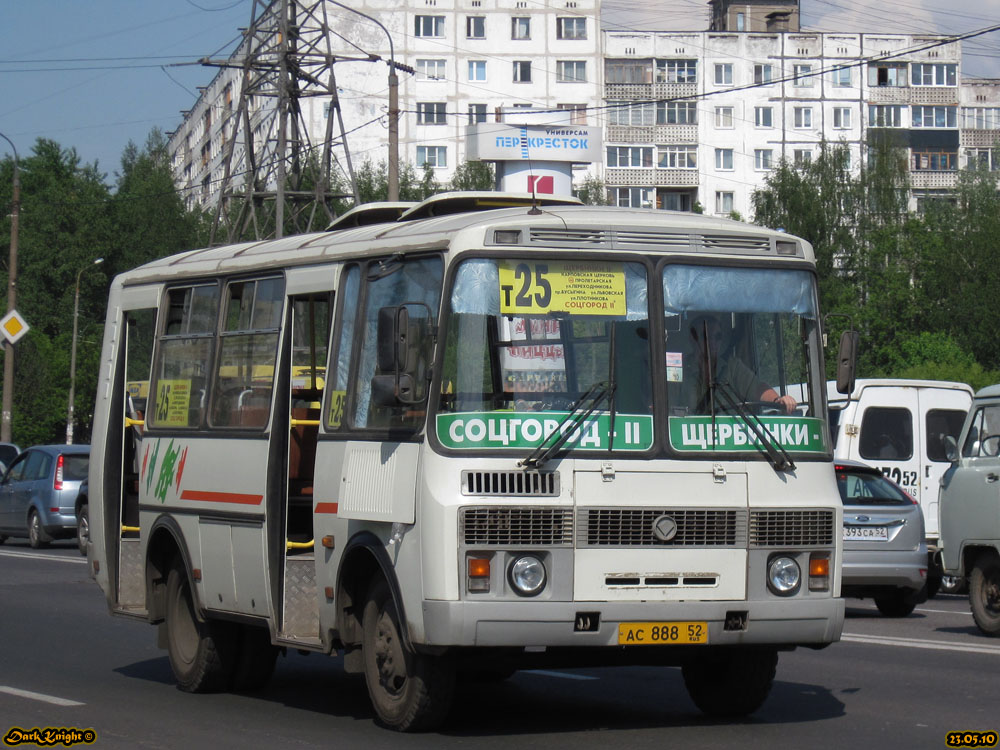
819, 572
479, 574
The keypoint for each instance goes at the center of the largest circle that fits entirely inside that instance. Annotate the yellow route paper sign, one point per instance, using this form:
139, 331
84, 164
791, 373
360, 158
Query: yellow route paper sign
541, 287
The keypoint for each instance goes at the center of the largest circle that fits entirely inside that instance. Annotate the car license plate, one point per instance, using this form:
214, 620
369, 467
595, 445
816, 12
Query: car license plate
659, 633
867, 533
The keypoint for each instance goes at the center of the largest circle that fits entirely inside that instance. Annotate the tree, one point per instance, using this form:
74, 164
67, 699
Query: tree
473, 175
592, 192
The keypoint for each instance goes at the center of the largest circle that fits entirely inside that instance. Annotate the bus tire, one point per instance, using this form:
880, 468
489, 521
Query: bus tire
255, 663
730, 683
409, 691
200, 654
984, 594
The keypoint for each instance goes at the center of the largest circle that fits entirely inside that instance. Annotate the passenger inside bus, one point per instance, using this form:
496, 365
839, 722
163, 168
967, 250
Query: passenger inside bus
710, 354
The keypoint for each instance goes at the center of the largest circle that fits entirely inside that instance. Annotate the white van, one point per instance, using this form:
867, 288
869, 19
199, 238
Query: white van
900, 426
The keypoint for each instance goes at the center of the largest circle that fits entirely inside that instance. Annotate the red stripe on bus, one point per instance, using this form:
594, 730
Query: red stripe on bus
326, 507
221, 497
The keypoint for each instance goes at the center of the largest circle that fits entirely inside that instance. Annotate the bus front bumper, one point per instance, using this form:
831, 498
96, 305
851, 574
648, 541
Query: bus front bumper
811, 621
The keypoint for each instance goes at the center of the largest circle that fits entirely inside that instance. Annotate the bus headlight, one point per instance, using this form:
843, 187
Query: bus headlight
527, 575
783, 575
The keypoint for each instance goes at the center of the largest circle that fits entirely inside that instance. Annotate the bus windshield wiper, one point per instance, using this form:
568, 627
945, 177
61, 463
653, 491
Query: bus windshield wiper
579, 412
780, 459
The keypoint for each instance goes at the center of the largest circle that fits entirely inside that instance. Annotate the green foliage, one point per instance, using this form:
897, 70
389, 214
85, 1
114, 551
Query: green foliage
472, 176
592, 192
373, 182
69, 218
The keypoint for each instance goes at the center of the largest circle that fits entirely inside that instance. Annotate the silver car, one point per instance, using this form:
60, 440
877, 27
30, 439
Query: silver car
38, 493
885, 553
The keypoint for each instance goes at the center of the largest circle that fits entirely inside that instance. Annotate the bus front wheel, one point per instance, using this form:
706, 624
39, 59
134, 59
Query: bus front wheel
730, 683
409, 691
199, 652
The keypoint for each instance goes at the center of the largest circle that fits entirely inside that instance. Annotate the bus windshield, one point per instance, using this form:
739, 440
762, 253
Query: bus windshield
532, 344
538, 346
742, 359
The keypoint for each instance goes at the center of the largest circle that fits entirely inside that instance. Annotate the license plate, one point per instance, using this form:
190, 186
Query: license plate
660, 633
867, 533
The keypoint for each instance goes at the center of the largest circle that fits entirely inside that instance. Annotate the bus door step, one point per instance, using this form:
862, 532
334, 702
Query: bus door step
301, 605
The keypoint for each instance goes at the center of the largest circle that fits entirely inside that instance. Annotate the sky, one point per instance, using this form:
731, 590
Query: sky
95, 74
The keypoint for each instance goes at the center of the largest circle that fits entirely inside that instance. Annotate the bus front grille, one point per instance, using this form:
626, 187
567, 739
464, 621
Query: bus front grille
510, 483
514, 526
791, 528
636, 527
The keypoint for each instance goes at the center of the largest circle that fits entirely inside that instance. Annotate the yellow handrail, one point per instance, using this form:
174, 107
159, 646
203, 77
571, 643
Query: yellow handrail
129, 422
301, 545
128, 529
304, 422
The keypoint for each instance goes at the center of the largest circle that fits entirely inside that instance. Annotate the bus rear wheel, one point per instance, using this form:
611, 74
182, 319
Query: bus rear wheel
200, 655
730, 683
409, 691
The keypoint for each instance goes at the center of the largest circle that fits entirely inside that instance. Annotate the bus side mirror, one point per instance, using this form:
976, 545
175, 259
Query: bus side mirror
847, 360
401, 346
950, 448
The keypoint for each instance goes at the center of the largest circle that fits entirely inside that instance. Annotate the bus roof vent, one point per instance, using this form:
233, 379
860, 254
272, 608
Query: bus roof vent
734, 243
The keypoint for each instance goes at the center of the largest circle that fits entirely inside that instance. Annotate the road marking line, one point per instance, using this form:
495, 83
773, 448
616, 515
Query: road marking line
885, 640
564, 675
39, 556
943, 611
39, 697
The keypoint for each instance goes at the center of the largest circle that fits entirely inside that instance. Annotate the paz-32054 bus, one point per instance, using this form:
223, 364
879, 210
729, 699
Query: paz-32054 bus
473, 441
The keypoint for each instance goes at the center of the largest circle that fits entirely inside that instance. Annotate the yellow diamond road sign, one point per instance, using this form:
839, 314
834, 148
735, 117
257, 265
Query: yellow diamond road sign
13, 326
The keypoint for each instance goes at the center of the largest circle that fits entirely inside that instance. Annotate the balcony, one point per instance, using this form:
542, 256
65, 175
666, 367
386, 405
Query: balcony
625, 177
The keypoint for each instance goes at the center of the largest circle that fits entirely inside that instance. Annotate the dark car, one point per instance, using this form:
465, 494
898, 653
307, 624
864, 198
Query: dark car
8, 452
38, 493
885, 553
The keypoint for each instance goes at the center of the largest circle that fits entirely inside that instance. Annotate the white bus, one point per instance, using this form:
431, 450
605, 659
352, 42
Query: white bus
473, 440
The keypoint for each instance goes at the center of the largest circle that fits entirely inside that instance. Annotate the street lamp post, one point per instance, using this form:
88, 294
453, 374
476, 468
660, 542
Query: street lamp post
8, 358
72, 353
393, 107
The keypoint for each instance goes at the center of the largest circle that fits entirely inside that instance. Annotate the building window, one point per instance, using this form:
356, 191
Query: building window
840, 77
981, 118
568, 27
477, 70
630, 156
628, 71
934, 74
934, 161
883, 74
803, 76
477, 113
885, 116
672, 200
763, 73
802, 156
763, 117
802, 117
431, 113
579, 113
740, 22
475, 27
934, 117
723, 74
635, 115
676, 71
434, 156
763, 158
430, 70
207, 119
635, 197
571, 71
676, 113
522, 71
428, 25
724, 158
723, 202
981, 158
842, 118
520, 27
677, 157
724, 118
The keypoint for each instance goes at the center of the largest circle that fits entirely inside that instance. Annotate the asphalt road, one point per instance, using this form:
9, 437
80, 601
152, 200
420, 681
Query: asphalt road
65, 662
